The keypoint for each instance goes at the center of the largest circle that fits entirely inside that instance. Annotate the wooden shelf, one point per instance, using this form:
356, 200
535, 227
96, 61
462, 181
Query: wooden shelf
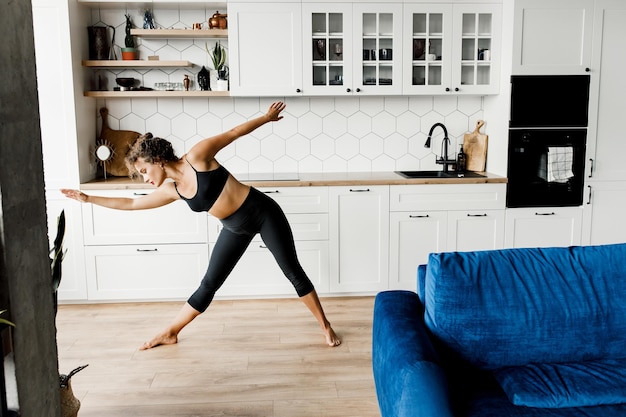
180, 33
155, 93
136, 63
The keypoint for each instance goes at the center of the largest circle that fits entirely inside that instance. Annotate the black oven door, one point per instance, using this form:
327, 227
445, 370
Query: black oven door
545, 167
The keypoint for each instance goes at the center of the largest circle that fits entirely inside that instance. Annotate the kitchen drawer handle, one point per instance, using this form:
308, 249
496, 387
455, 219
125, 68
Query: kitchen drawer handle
272, 192
476, 215
147, 250
262, 247
367, 190
590, 167
589, 196
545, 214
140, 193
418, 216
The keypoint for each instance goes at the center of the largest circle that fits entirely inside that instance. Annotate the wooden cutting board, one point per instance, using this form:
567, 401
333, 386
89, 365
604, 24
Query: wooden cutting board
475, 148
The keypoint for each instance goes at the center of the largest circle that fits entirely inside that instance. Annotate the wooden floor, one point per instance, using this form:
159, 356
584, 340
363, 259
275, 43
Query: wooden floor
244, 358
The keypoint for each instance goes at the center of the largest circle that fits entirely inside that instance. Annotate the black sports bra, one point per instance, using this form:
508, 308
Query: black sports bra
210, 186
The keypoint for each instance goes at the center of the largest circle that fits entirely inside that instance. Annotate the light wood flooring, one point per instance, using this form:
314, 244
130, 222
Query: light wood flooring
244, 358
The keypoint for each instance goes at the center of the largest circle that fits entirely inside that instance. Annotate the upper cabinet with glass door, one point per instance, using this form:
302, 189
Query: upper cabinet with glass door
377, 53
327, 45
451, 49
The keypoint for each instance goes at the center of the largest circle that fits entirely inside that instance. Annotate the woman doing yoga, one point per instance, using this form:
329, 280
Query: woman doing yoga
205, 185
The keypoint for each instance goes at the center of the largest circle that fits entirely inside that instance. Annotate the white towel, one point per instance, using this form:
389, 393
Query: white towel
560, 162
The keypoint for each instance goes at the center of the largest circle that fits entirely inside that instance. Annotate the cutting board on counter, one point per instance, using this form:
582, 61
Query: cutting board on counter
475, 148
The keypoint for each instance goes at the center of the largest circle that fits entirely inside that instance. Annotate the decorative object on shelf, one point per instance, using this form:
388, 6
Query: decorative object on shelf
203, 79
218, 21
120, 141
218, 57
99, 47
186, 82
125, 83
129, 52
104, 153
148, 19
320, 48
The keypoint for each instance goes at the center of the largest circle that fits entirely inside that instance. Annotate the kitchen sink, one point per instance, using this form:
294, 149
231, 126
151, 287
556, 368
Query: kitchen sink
439, 174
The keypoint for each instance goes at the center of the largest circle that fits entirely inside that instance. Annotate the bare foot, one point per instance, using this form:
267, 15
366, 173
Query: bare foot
331, 338
164, 338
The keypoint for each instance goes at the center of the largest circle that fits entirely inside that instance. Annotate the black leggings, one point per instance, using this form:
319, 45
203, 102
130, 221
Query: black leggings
258, 214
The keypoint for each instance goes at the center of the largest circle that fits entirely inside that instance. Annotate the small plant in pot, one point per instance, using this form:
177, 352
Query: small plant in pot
218, 58
129, 52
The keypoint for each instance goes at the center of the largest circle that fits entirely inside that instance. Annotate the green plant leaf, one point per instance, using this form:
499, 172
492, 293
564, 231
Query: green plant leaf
4, 321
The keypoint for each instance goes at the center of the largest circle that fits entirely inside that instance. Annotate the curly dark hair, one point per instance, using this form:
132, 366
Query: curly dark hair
150, 149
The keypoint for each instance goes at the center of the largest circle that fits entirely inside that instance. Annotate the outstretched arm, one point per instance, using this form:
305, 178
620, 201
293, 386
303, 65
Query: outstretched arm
206, 149
160, 197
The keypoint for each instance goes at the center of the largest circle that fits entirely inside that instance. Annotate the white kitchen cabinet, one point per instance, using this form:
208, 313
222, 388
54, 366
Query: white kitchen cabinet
543, 227
257, 273
412, 237
552, 36
144, 272
173, 223
606, 147
451, 48
604, 221
475, 230
265, 41
352, 48
359, 238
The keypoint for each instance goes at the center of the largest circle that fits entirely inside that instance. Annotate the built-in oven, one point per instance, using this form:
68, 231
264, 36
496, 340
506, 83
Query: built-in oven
547, 140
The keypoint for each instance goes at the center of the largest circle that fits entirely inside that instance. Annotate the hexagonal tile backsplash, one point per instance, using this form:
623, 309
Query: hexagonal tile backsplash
320, 134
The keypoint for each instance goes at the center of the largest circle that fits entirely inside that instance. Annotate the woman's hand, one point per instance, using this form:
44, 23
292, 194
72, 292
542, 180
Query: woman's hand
273, 113
75, 195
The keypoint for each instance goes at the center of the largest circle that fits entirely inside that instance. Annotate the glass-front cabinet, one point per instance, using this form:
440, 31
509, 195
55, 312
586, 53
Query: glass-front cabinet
451, 49
378, 48
349, 48
327, 46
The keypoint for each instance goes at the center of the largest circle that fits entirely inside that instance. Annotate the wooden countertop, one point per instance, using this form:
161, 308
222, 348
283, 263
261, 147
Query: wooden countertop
311, 180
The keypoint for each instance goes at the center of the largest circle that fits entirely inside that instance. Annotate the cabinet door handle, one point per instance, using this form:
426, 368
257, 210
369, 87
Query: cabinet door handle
360, 191
271, 192
348, 90
418, 216
140, 193
147, 250
456, 89
447, 89
587, 69
590, 167
545, 214
358, 90
589, 195
476, 215
298, 90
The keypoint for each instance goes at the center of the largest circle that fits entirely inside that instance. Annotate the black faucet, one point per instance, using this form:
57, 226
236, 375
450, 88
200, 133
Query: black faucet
443, 160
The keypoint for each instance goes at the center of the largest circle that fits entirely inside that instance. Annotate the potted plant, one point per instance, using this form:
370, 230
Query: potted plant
129, 52
218, 58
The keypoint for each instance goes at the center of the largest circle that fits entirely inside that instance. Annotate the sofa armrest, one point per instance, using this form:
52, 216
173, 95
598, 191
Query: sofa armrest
409, 380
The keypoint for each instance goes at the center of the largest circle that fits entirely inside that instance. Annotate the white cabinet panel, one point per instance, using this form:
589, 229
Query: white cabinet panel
475, 230
543, 227
359, 238
257, 272
552, 36
412, 237
265, 42
604, 220
173, 223
146, 272
447, 197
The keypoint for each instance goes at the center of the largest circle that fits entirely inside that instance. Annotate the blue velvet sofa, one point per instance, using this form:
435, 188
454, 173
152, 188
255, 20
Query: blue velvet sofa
505, 333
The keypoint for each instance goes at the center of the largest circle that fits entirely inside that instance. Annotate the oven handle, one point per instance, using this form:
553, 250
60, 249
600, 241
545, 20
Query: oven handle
590, 167
589, 195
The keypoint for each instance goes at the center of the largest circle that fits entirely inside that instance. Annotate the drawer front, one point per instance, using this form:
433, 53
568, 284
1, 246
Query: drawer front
447, 197
304, 227
144, 272
299, 199
257, 272
173, 223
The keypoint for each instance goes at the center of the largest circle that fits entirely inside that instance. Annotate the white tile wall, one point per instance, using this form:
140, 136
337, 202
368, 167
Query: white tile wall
321, 134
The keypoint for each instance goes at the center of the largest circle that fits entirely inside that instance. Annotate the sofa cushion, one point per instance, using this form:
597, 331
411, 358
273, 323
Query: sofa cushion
518, 306
559, 385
